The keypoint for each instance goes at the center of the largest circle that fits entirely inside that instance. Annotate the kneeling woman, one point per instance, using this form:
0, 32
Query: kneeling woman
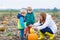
46, 25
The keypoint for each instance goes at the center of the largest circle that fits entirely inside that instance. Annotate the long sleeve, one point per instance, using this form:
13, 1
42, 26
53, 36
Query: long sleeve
45, 24
27, 19
36, 24
34, 17
22, 22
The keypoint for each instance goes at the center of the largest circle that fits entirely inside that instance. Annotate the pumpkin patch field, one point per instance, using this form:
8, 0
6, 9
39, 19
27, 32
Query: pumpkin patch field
8, 26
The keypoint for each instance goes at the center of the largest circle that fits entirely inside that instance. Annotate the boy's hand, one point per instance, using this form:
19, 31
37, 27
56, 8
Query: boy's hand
30, 25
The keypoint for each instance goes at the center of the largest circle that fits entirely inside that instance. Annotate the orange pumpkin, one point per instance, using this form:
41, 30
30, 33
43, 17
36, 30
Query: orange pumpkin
4, 22
2, 28
32, 35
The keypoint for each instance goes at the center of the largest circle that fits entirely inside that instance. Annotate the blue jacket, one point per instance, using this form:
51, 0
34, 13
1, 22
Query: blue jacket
21, 21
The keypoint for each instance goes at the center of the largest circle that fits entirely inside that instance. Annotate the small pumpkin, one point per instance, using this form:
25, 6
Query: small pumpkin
2, 28
4, 22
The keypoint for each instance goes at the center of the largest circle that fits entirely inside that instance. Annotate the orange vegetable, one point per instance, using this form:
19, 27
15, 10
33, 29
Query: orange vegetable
2, 28
4, 22
32, 37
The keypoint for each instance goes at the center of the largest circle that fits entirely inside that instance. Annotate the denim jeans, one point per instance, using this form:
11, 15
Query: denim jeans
47, 29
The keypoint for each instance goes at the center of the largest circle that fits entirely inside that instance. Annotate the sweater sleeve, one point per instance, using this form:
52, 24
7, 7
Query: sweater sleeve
33, 17
22, 22
45, 24
27, 18
36, 24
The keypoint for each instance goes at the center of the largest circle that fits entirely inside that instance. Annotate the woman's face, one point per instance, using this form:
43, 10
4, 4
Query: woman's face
40, 18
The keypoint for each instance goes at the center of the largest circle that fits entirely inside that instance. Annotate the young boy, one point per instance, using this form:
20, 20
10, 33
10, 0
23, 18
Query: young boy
30, 19
21, 22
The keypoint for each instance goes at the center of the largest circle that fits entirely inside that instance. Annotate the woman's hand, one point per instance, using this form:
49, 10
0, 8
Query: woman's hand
34, 28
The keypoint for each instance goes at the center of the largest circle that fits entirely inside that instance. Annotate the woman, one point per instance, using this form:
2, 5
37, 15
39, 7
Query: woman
46, 25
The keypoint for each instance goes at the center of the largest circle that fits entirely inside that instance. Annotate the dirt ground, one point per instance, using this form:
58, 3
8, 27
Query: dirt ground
12, 33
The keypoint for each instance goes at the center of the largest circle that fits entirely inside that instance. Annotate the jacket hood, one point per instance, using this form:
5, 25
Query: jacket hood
19, 15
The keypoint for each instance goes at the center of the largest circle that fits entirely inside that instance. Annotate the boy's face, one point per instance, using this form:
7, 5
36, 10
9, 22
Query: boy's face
23, 13
29, 10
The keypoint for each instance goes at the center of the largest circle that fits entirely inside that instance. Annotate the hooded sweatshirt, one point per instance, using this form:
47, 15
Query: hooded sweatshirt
21, 21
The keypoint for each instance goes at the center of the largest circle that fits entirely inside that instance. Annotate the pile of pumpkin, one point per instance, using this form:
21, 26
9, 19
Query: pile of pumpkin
3, 23
2, 26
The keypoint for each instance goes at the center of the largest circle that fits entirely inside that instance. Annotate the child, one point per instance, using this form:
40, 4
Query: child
46, 26
30, 19
21, 23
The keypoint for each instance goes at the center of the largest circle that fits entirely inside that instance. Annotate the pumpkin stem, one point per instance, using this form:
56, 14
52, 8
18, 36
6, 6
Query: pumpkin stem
32, 31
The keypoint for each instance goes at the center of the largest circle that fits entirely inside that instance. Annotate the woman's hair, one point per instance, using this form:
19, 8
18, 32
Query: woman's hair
43, 14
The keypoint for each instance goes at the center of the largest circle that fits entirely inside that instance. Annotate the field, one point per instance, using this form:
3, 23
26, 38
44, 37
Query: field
12, 33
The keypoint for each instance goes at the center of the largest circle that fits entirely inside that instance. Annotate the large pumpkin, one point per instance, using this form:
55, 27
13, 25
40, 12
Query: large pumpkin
32, 35
2, 28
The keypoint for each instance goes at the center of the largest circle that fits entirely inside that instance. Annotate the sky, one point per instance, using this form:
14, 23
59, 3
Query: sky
18, 4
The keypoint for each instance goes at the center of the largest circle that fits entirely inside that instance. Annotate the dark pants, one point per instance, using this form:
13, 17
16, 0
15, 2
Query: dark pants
47, 29
22, 34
